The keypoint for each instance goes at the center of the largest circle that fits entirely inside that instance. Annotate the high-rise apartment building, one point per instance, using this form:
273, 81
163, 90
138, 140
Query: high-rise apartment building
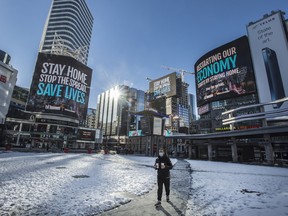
192, 107
68, 29
91, 118
19, 98
169, 95
183, 105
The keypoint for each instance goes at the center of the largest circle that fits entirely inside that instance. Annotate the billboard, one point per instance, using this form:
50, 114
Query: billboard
146, 125
151, 125
164, 86
225, 72
203, 109
135, 133
86, 134
269, 49
157, 126
60, 85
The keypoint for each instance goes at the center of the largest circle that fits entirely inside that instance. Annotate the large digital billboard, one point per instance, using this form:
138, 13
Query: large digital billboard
225, 72
146, 125
60, 85
164, 86
86, 134
269, 49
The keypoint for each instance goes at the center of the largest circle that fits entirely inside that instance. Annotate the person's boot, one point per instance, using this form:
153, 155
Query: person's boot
158, 203
167, 198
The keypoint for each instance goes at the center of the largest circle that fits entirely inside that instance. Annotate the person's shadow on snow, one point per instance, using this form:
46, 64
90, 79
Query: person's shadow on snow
179, 212
176, 208
160, 208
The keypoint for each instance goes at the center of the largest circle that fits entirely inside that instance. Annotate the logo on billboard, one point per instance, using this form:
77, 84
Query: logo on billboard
225, 72
60, 85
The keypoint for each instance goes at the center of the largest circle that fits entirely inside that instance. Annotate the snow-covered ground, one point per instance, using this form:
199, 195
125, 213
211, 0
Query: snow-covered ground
70, 184
83, 184
237, 189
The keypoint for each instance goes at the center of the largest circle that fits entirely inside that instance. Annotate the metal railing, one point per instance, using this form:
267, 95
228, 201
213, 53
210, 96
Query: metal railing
280, 114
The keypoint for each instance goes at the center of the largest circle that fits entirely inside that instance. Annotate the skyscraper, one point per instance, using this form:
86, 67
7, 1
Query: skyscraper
192, 107
68, 29
113, 111
169, 96
91, 118
65, 43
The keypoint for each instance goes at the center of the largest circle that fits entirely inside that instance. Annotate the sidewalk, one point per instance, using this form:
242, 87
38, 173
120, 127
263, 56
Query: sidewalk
144, 205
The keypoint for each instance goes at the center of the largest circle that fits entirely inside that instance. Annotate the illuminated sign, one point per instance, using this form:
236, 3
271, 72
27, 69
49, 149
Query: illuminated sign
225, 72
203, 109
164, 86
3, 78
135, 133
60, 85
86, 135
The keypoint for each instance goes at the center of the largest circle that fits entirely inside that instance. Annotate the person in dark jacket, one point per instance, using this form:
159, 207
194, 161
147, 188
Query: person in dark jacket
163, 165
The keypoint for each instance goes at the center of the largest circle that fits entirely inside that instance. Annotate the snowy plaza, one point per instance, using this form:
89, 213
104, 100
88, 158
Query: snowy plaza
95, 184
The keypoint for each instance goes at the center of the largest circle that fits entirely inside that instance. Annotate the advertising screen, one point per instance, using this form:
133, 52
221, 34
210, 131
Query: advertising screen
269, 49
60, 85
203, 109
157, 126
225, 72
86, 135
135, 133
164, 86
146, 125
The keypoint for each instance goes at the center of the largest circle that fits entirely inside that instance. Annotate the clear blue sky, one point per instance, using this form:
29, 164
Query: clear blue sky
132, 39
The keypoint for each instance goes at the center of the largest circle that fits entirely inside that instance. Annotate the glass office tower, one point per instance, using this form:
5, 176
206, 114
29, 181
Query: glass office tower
113, 112
68, 29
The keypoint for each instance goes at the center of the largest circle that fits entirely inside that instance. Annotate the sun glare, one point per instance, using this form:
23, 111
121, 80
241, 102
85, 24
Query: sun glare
115, 93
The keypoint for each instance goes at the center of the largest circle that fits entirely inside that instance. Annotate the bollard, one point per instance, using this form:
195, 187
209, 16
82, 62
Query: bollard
7, 147
66, 150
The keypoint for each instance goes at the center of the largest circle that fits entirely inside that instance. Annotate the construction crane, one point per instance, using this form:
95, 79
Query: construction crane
178, 70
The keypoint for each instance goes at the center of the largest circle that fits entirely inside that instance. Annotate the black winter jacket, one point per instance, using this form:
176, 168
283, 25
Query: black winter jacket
168, 165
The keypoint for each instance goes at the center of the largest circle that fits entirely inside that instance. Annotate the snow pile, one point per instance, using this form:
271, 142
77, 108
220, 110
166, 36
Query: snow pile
71, 184
237, 189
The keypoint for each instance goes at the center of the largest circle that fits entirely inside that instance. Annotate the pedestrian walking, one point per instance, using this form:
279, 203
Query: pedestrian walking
163, 165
